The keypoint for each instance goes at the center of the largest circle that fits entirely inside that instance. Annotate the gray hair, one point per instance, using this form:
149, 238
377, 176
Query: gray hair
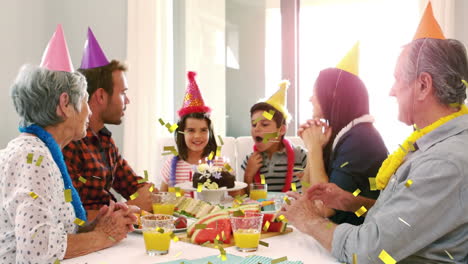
445, 60
36, 93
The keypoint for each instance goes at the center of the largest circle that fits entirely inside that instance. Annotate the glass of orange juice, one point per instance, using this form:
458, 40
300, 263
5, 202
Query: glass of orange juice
247, 230
163, 202
157, 232
258, 191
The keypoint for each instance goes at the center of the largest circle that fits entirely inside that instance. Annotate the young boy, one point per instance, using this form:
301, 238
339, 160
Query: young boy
274, 157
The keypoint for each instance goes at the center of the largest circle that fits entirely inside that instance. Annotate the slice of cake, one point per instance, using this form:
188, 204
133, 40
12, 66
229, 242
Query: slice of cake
212, 177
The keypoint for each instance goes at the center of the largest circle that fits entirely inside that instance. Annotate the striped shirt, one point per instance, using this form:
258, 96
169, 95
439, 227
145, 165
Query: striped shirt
183, 170
275, 169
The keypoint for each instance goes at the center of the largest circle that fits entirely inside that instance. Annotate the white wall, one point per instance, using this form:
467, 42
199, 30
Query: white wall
27, 25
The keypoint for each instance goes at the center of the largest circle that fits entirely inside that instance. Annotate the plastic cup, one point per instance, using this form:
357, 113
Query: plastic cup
247, 230
157, 231
163, 202
258, 191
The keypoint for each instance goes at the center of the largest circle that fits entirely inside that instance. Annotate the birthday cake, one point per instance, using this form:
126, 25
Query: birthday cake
212, 177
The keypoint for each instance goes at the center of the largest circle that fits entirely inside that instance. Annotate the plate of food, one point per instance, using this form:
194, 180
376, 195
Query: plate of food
180, 223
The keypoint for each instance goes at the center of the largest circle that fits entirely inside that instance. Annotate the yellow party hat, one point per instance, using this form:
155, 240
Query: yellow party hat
278, 100
350, 62
428, 27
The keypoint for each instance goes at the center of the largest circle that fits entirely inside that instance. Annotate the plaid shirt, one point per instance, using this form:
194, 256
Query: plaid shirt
95, 165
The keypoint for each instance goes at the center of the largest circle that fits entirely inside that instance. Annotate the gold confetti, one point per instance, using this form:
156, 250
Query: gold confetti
160, 230
268, 115
228, 167
33, 195
167, 153
223, 236
256, 120
111, 238
404, 221
464, 82
262, 179
96, 177
151, 188
171, 149
175, 238
386, 258
372, 184
266, 226
68, 195
217, 237
293, 186
450, 256
268, 136
178, 254
199, 187
408, 183
285, 198
356, 192
39, 160
29, 158
305, 184
360, 211
411, 146
81, 179
344, 164
402, 148
298, 168
329, 225
173, 128
265, 244
355, 258
57, 261
178, 192
210, 157
238, 213
134, 196
79, 222
161, 121
145, 179
221, 140
206, 243
282, 218
278, 260
218, 151
200, 226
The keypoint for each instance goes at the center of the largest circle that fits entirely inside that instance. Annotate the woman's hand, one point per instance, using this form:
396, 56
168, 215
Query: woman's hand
315, 133
115, 221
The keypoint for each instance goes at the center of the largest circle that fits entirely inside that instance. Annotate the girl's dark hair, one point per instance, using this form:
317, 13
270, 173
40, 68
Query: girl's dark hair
277, 117
180, 140
343, 97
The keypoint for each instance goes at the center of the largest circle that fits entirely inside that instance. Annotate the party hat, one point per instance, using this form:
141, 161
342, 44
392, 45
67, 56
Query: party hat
193, 100
278, 100
93, 56
428, 27
56, 56
350, 61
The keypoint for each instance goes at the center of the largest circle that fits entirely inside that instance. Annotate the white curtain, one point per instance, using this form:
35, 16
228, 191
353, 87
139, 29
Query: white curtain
150, 82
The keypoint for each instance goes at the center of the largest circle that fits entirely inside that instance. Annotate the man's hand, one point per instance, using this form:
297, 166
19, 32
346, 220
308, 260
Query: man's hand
144, 200
301, 212
332, 196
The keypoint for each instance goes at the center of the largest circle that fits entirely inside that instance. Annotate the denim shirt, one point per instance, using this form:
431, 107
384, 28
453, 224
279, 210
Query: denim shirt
428, 220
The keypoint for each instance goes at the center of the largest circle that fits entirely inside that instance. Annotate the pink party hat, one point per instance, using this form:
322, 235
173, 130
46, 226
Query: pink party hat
193, 100
56, 56
93, 56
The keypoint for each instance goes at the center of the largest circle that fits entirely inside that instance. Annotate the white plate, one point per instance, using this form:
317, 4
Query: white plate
187, 186
177, 230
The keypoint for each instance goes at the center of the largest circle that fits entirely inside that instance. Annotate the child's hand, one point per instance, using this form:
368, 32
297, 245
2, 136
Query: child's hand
254, 163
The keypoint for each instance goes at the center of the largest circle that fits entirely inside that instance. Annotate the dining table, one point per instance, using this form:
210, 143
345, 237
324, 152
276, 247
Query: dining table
295, 246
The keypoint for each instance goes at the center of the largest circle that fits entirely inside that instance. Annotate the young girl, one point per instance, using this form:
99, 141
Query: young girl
194, 138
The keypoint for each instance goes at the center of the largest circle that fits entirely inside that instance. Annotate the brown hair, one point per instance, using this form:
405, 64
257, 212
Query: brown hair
101, 77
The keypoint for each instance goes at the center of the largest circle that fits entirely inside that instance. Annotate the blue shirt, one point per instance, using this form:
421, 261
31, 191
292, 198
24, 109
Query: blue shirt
425, 222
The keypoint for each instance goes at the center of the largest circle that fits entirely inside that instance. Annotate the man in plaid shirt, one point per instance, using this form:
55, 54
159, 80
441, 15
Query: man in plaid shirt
94, 162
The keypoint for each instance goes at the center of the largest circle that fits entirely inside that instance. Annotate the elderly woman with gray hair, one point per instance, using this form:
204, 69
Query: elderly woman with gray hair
41, 217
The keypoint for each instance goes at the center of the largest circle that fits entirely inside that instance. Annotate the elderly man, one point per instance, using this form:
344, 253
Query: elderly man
94, 162
422, 214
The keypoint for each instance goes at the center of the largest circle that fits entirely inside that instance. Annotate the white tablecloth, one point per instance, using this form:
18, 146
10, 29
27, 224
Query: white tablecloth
295, 245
